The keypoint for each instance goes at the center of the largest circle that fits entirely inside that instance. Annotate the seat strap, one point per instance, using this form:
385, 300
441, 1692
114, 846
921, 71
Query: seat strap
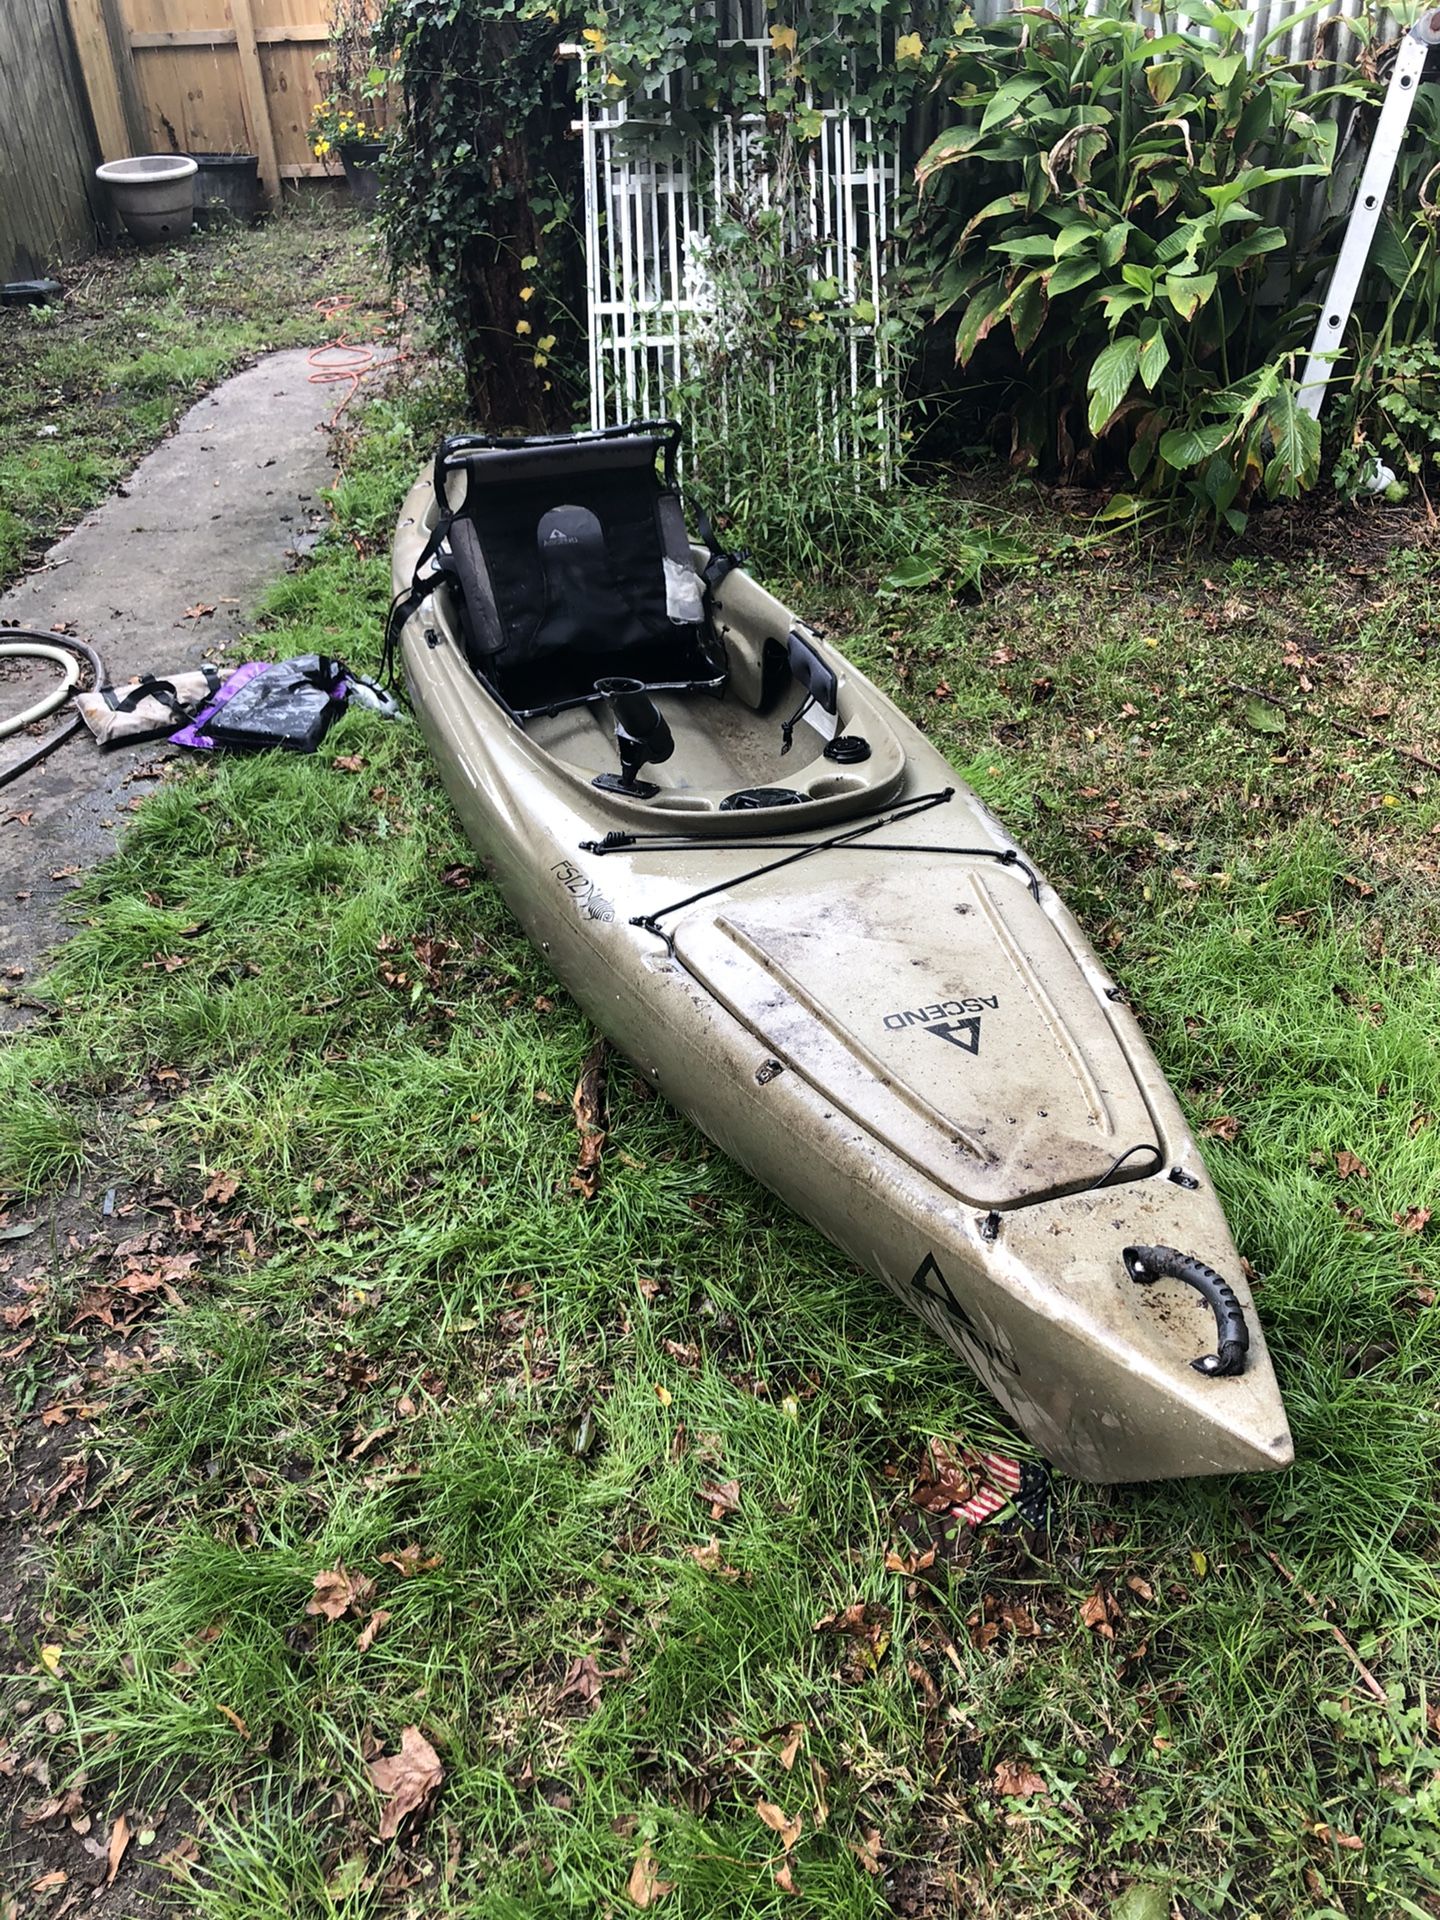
421, 582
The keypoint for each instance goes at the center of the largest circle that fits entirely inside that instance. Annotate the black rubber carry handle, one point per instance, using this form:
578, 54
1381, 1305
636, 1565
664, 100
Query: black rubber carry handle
1147, 1264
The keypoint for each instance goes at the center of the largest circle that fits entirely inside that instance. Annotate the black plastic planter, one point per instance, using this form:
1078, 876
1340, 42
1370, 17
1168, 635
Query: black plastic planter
227, 188
361, 161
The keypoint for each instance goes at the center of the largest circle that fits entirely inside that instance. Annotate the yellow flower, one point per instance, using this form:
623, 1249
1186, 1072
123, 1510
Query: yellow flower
322, 147
595, 37
782, 40
542, 359
547, 345
522, 326
909, 47
527, 293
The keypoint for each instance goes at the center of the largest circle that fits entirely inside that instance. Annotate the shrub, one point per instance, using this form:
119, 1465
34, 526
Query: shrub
1119, 220
479, 185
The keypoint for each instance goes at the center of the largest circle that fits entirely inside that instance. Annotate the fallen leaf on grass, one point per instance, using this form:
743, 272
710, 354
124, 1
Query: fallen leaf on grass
370, 1632
115, 1852
1349, 1165
222, 1188
234, 1718
645, 1886
791, 1747
582, 1682
61, 1808
457, 877
723, 1499
337, 1591
780, 1822
47, 1880
587, 1103
945, 1481
867, 1850
410, 1560
1017, 1780
785, 1879
50, 1657
409, 1779
348, 763
867, 1626
1141, 1588
711, 1559
911, 1562
1099, 1611
1412, 1220
1224, 1127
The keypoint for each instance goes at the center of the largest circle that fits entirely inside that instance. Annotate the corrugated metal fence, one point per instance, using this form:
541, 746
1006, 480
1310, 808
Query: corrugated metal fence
48, 198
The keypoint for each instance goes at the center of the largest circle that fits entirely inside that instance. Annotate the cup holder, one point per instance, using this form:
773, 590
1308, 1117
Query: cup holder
835, 786
673, 802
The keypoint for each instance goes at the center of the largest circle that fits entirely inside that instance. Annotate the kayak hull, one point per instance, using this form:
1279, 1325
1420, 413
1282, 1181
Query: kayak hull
815, 1022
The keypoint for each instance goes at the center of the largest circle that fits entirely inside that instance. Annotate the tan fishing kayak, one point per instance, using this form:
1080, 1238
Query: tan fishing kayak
773, 894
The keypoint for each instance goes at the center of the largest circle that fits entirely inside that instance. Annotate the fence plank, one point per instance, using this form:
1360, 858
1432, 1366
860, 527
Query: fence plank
49, 202
102, 82
257, 103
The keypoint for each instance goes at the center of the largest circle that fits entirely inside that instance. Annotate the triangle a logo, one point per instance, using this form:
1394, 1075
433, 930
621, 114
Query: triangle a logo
960, 1033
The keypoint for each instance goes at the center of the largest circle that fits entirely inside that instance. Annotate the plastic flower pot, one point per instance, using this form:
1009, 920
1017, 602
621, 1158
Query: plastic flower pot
361, 161
154, 195
227, 188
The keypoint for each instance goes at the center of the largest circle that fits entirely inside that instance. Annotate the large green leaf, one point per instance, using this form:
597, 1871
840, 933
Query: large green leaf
1070, 274
1162, 78
1008, 99
1188, 292
1186, 447
992, 210
1154, 358
1110, 380
1027, 314
1114, 241
1075, 233
955, 143
1295, 457
977, 320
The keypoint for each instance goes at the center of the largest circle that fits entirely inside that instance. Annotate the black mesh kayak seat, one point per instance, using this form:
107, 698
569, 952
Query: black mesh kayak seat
573, 565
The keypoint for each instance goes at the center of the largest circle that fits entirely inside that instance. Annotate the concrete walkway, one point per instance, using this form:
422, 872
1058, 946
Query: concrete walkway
210, 518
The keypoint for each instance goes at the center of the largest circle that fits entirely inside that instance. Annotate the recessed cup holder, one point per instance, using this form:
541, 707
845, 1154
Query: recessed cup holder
835, 785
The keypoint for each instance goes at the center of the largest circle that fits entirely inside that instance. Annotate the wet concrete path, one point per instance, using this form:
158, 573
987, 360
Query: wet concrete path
209, 519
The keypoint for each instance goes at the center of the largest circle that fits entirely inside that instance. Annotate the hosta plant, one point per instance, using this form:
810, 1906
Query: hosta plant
1110, 204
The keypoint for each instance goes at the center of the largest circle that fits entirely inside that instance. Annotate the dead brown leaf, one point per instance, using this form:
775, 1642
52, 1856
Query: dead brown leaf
337, 1591
780, 1822
945, 1481
47, 1880
867, 1850
645, 1886
587, 1103
1142, 1589
115, 1852
1349, 1165
410, 1560
222, 1188
1018, 1780
582, 1682
409, 1779
912, 1562
348, 763
1412, 1220
723, 1499
198, 612
370, 1632
61, 1808
1099, 1611
235, 1720
791, 1747
1223, 1127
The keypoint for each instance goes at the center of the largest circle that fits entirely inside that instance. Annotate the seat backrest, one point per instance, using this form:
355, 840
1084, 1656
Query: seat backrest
573, 561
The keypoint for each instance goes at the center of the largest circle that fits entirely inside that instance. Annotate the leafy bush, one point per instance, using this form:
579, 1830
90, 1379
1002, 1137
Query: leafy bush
1119, 217
479, 187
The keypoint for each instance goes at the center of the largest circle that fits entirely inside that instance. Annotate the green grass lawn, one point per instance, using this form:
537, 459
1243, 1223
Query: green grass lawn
89, 385
384, 1339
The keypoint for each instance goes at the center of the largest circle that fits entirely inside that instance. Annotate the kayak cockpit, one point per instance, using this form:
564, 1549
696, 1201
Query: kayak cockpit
652, 670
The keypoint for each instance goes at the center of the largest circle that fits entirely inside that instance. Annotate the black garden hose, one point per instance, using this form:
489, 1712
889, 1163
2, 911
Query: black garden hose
61, 734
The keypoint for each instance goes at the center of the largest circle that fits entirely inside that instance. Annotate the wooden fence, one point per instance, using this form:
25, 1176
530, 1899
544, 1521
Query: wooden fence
206, 76
49, 202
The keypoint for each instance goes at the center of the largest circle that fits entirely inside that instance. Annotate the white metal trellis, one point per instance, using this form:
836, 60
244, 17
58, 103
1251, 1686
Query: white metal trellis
645, 210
